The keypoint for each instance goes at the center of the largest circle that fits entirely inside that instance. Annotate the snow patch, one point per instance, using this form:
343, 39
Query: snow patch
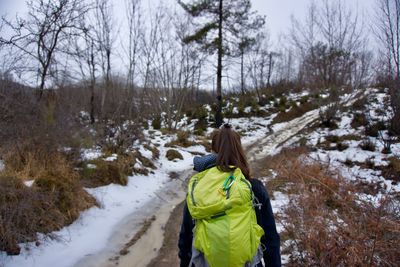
91, 154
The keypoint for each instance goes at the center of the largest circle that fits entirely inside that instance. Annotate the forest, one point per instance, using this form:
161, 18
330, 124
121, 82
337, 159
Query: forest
102, 112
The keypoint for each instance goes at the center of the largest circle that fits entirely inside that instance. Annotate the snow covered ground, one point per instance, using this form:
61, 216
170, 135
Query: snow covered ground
92, 232
95, 227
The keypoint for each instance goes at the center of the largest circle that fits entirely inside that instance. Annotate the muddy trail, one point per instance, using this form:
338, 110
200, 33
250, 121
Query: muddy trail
150, 237
139, 237
256, 153
154, 237
168, 253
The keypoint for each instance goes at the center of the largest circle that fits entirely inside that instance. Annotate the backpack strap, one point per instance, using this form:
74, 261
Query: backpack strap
256, 203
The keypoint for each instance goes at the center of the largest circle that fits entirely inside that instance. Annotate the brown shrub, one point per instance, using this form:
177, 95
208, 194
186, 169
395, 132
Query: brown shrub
105, 173
145, 161
55, 199
392, 171
359, 120
154, 150
173, 154
295, 112
67, 194
23, 213
182, 139
327, 224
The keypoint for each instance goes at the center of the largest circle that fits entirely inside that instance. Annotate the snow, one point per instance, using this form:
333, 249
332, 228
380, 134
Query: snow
91, 166
111, 158
145, 152
278, 202
91, 154
29, 183
91, 232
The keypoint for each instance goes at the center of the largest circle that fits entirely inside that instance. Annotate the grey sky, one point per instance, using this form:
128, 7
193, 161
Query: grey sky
278, 12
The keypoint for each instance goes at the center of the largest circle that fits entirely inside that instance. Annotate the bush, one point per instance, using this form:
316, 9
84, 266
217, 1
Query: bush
55, 199
359, 104
332, 138
200, 113
182, 139
328, 115
359, 120
67, 193
304, 99
373, 129
342, 146
200, 127
283, 101
156, 123
392, 171
154, 151
367, 145
326, 223
293, 113
173, 154
104, 173
145, 161
23, 213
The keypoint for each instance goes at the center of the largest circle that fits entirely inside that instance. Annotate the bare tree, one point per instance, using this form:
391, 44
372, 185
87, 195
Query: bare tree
387, 29
86, 55
104, 27
190, 57
133, 14
48, 27
331, 45
260, 63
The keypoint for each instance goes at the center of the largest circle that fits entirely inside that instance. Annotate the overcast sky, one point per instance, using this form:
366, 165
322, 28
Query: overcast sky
278, 12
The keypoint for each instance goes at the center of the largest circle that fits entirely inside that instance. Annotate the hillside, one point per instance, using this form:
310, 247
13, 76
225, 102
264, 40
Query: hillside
322, 179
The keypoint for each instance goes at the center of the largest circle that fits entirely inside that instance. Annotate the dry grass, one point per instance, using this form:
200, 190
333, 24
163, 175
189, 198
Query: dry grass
104, 173
117, 171
326, 223
295, 112
182, 139
173, 154
55, 199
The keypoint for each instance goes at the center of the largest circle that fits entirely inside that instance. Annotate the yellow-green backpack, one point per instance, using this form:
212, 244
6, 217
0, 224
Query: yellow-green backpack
226, 229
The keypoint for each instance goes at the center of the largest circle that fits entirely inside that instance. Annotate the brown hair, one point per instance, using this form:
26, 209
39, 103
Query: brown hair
226, 143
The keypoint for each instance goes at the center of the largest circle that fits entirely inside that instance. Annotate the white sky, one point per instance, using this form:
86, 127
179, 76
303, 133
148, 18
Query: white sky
278, 12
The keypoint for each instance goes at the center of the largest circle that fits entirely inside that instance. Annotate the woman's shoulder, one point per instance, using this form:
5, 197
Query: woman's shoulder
258, 188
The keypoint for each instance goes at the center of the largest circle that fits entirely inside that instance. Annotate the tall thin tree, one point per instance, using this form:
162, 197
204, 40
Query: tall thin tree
219, 26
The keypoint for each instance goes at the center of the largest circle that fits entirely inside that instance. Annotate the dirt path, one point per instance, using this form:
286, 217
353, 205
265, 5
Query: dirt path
168, 254
166, 233
138, 239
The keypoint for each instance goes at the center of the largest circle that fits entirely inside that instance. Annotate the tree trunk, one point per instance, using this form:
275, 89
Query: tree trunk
218, 115
242, 72
269, 70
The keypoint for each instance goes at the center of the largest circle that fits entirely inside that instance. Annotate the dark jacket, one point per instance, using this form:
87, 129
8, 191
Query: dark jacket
265, 219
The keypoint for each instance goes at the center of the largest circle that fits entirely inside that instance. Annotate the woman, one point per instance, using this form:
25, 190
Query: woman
229, 156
